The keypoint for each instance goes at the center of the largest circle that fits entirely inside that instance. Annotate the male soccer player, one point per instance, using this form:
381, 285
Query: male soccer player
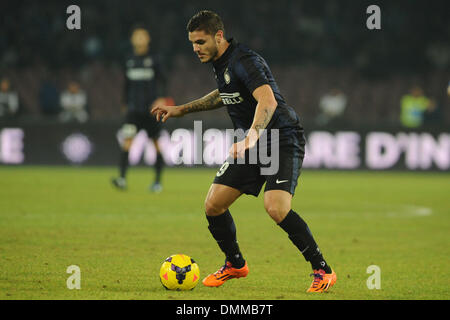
248, 90
144, 86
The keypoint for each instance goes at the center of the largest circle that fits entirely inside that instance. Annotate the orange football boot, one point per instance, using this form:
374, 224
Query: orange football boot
225, 273
322, 281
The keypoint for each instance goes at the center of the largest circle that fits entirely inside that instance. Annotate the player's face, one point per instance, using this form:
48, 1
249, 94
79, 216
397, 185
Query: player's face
204, 45
73, 87
140, 38
4, 85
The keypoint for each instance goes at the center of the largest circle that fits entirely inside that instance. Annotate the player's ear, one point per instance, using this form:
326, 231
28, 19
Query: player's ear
219, 36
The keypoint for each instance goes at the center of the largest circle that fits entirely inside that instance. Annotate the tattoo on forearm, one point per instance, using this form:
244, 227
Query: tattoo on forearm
209, 102
266, 119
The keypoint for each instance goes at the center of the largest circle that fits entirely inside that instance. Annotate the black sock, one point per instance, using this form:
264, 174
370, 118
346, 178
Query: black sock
158, 166
301, 237
223, 229
123, 163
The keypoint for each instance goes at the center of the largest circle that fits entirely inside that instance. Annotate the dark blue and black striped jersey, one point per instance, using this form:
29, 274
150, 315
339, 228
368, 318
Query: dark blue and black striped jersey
144, 82
238, 72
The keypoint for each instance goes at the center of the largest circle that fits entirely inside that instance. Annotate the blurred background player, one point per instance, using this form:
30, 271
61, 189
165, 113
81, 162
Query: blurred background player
332, 107
9, 100
73, 102
144, 87
414, 107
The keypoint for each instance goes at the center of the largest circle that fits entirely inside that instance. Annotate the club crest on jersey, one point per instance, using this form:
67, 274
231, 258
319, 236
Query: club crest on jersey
231, 98
148, 62
226, 76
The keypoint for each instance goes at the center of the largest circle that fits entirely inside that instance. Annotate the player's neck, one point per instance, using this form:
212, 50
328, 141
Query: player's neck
223, 46
140, 51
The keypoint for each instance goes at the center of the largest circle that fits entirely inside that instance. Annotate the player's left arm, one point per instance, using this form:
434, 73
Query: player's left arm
264, 111
263, 114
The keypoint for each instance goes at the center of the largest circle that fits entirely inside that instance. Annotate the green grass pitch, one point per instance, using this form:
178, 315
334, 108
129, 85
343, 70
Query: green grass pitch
51, 218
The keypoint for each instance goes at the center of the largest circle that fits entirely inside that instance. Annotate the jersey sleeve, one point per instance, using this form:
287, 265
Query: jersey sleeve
251, 70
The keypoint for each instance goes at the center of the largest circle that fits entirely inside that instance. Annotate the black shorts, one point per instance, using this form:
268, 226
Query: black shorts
248, 179
144, 121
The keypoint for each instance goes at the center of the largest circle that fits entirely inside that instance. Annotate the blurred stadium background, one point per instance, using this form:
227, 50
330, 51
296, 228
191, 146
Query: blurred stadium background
315, 49
57, 207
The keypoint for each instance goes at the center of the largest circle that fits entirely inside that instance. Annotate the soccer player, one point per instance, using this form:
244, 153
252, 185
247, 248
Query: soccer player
144, 86
255, 104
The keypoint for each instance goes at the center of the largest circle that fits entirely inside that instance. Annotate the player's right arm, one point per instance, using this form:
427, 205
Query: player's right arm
209, 102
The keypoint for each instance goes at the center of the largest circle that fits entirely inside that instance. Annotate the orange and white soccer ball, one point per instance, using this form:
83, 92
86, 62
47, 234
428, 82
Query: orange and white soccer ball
179, 272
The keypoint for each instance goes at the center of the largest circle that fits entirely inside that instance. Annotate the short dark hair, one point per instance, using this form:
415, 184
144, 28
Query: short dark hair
207, 21
138, 26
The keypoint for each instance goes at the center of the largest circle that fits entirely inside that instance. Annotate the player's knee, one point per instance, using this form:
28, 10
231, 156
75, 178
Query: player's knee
126, 145
277, 212
213, 208
126, 136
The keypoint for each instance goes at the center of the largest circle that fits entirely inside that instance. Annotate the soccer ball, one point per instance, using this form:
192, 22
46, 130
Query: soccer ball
179, 272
